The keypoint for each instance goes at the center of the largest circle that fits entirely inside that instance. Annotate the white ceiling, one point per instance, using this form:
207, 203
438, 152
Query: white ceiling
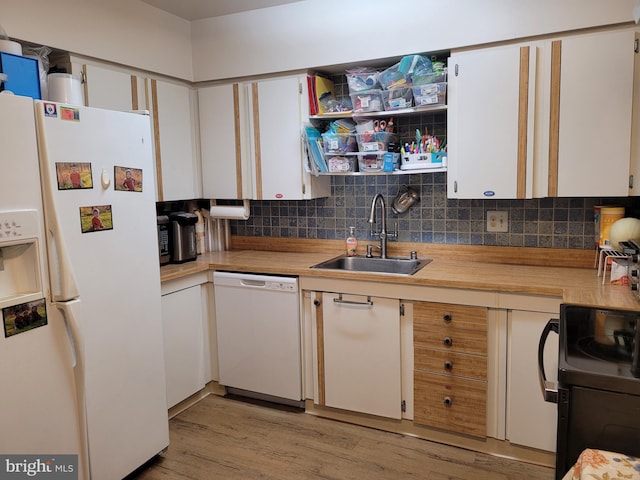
198, 9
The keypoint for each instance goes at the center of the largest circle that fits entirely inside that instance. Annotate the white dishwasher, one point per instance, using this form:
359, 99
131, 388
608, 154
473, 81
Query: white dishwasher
258, 330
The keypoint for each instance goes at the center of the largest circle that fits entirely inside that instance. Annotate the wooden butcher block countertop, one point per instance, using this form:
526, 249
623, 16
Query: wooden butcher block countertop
571, 284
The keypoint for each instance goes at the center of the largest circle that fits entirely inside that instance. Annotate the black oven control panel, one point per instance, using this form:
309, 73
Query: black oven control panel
632, 249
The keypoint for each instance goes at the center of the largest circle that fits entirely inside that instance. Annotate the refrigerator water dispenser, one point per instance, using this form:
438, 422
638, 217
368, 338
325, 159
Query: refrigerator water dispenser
20, 275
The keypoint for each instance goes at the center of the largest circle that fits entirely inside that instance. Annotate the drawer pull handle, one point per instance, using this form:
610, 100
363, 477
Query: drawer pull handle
447, 317
448, 365
339, 300
448, 401
447, 341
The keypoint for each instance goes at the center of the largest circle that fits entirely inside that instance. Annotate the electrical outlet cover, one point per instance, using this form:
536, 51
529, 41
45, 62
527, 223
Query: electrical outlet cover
498, 221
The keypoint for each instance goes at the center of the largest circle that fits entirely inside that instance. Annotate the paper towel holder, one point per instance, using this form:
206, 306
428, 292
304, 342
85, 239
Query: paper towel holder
231, 212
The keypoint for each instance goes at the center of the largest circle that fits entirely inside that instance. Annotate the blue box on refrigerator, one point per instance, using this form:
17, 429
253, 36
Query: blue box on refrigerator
22, 75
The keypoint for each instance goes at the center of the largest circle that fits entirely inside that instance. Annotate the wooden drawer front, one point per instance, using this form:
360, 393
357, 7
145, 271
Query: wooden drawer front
451, 363
454, 316
450, 338
450, 403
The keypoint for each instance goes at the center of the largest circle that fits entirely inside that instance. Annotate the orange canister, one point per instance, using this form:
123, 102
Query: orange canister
608, 215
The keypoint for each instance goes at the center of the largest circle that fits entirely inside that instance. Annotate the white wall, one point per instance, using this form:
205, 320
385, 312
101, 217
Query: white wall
306, 34
128, 32
315, 33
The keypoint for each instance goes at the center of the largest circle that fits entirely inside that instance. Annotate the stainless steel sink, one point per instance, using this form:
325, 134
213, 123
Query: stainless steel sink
392, 265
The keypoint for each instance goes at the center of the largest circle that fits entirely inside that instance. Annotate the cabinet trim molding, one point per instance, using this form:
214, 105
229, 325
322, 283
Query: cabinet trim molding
256, 139
320, 346
135, 104
236, 128
156, 137
554, 120
523, 114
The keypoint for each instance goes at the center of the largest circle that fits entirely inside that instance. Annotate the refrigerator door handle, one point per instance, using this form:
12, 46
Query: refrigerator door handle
549, 389
75, 341
62, 279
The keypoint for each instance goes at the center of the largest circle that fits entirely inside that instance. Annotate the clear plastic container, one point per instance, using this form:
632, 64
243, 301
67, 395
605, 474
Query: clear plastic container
431, 77
340, 164
359, 80
374, 142
367, 101
339, 142
430, 94
396, 98
370, 163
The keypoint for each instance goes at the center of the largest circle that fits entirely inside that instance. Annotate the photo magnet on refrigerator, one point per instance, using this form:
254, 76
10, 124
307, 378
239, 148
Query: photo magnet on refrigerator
73, 175
128, 179
26, 316
96, 218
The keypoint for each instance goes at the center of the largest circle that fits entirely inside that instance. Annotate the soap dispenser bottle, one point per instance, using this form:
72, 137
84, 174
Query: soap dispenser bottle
352, 242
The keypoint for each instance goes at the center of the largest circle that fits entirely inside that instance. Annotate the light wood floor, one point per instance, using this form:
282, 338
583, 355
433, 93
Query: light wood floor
222, 438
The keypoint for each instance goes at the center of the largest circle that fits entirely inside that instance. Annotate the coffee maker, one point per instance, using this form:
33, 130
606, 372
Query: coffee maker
183, 236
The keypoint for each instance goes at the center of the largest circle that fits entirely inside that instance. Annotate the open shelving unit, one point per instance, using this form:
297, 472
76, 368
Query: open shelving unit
399, 114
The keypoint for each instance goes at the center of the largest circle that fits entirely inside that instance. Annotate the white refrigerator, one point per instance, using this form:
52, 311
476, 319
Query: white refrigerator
89, 378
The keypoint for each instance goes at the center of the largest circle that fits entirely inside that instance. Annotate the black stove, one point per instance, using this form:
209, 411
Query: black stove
598, 394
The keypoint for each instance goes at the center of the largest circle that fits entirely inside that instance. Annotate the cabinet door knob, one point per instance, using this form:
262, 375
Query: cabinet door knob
447, 317
448, 401
447, 341
316, 302
448, 365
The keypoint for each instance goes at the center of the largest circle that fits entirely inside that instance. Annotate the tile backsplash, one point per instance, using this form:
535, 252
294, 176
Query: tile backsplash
548, 222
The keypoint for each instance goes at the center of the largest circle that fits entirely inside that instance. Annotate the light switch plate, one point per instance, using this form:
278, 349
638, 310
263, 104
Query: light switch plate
498, 221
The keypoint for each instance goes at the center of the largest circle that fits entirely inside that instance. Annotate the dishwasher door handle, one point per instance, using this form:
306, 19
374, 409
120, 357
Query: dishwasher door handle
245, 282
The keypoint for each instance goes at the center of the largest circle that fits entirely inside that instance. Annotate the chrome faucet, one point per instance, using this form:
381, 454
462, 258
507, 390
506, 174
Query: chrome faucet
383, 234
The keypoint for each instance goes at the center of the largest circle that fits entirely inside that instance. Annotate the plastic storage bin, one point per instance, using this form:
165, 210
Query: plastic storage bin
430, 94
374, 142
339, 142
431, 77
411, 161
340, 164
367, 101
370, 163
361, 80
396, 98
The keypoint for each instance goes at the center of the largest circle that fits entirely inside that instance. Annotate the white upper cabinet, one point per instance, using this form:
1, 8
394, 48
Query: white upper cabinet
110, 87
490, 123
250, 138
594, 98
547, 118
177, 165
172, 115
634, 169
221, 174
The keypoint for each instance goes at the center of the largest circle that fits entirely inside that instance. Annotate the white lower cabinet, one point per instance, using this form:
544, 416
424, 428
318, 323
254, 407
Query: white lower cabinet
531, 421
362, 362
461, 363
186, 338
